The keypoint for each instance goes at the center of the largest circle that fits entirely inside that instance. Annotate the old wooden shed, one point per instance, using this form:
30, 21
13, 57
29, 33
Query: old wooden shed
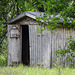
27, 46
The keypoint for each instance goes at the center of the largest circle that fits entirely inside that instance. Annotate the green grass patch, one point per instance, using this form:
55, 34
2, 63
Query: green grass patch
24, 70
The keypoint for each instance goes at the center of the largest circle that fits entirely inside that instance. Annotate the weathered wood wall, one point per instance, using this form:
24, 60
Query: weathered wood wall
14, 44
44, 45
59, 40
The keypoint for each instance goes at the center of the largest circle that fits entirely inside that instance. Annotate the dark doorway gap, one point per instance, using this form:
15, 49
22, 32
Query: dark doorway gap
25, 45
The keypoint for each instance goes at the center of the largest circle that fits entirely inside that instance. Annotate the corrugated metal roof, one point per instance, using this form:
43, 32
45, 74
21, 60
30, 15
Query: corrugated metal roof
26, 13
33, 15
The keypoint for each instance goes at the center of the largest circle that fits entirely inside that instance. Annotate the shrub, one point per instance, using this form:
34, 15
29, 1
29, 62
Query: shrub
3, 60
70, 50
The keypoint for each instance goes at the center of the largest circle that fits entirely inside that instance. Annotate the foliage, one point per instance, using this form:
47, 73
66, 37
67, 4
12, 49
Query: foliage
3, 53
24, 70
70, 51
58, 13
9, 9
3, 60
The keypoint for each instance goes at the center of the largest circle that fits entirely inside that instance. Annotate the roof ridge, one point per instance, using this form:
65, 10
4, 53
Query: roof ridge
30, 14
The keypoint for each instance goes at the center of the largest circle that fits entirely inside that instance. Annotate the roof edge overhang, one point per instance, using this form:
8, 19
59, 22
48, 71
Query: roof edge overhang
30, 14
26, 13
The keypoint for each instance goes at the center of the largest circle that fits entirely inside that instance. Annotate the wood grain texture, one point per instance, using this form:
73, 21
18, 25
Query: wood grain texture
42, 45
14, 46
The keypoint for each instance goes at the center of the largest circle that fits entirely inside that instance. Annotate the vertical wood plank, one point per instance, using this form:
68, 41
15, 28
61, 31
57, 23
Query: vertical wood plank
14, 46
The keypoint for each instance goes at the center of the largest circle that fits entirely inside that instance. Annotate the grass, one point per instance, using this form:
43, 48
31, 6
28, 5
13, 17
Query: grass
24, 70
